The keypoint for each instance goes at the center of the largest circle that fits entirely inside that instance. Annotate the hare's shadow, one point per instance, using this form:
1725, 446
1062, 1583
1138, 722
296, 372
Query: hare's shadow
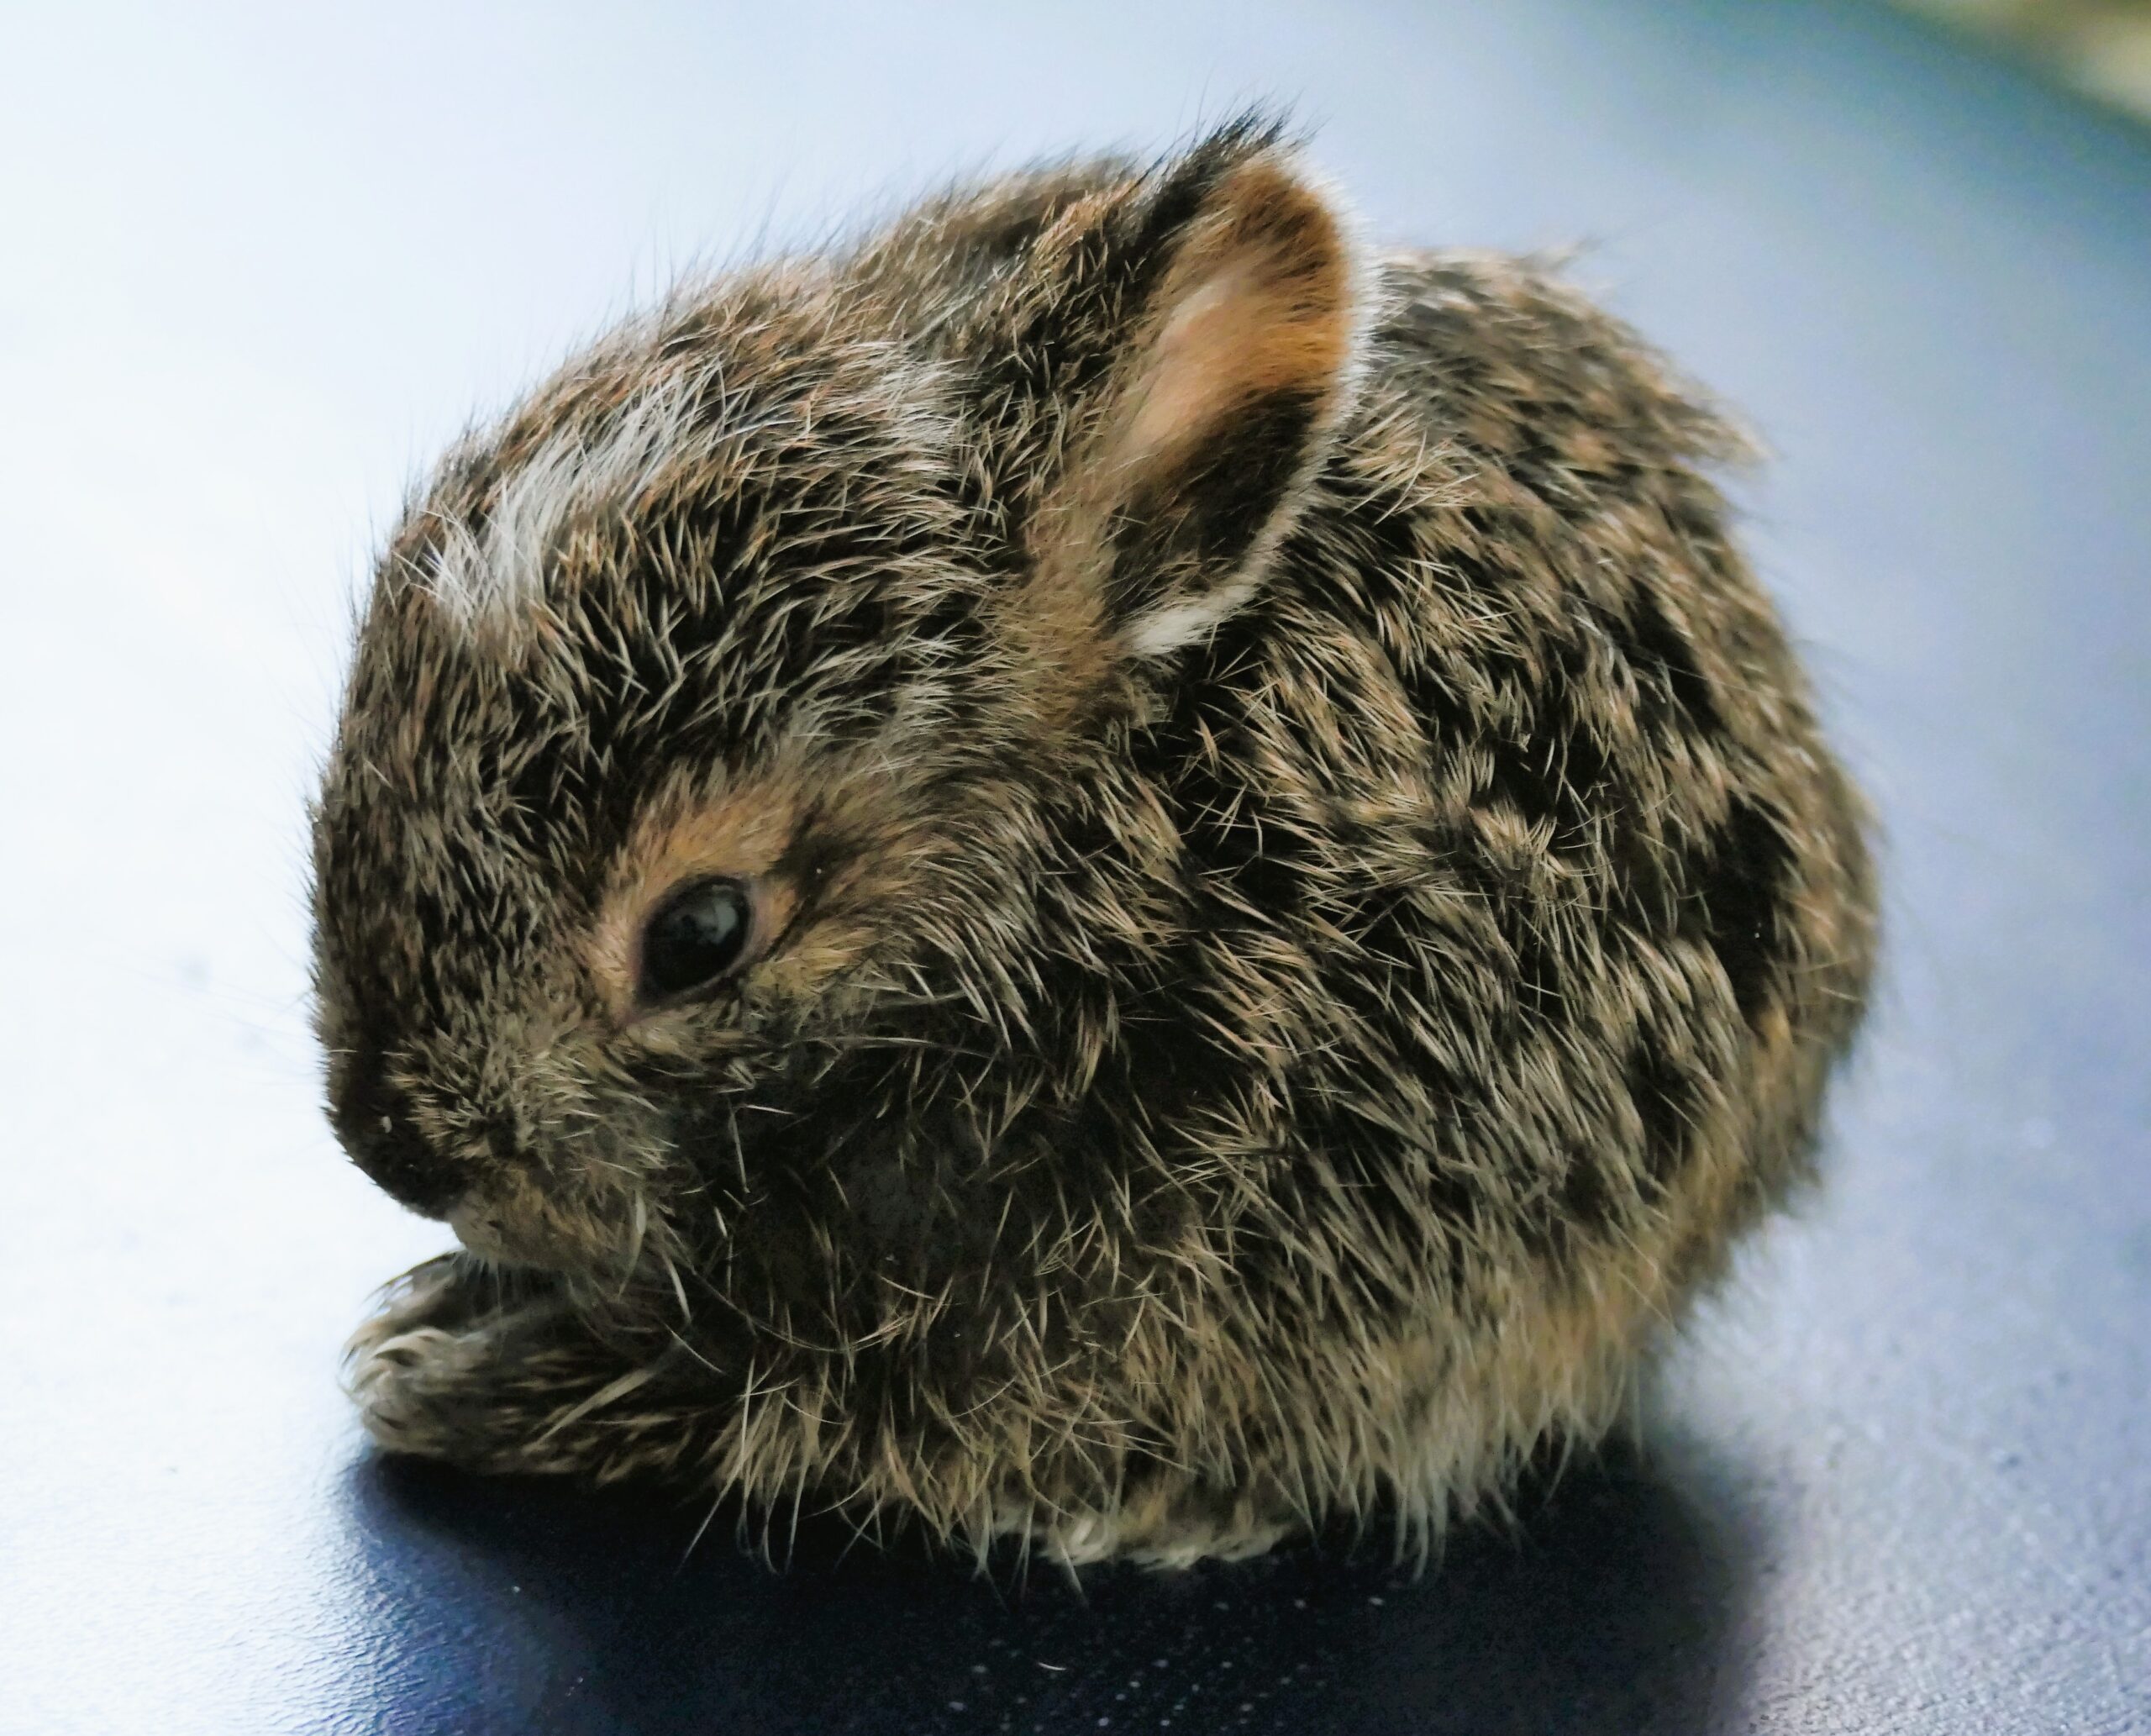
1618, 1602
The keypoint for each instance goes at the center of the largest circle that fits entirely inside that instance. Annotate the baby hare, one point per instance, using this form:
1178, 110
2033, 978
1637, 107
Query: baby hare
1105, 870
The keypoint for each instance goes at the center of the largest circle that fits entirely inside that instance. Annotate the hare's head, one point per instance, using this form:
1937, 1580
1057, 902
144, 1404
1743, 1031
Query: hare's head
695, 833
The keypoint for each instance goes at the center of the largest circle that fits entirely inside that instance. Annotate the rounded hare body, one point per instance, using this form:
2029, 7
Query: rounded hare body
1293, 901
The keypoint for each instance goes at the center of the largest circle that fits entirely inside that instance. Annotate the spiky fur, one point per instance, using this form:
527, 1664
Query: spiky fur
1314, 907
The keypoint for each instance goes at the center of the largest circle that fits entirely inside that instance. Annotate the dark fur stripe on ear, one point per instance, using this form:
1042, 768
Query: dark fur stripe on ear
1214, 330
1210, 514
1175, 192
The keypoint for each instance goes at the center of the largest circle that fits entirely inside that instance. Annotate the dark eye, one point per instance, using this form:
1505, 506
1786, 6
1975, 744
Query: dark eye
698, 933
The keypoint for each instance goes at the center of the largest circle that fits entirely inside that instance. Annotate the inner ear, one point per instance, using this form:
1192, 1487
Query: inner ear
1220, 408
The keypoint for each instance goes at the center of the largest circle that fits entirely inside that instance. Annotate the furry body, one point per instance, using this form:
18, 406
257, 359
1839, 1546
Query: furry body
1311, 908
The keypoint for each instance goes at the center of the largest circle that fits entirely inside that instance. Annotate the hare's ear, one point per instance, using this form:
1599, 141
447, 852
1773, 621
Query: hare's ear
1209, 320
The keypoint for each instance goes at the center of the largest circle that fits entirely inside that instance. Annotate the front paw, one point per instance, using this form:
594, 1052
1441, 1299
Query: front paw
432, 1367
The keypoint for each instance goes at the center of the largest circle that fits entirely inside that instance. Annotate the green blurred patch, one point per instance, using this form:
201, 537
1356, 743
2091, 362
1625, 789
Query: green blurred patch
2102, 47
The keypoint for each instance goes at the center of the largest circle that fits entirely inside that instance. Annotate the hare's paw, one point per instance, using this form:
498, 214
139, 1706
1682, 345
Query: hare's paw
1171, 1523
458, 1361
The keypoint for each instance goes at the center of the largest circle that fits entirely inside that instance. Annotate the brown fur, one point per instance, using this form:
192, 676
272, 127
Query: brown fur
1303, 906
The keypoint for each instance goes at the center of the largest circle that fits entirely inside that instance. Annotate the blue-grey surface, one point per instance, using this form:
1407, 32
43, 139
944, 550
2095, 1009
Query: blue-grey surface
256, 266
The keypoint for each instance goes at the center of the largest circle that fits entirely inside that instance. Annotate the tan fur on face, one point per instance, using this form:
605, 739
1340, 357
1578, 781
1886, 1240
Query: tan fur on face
743, 832
740, 834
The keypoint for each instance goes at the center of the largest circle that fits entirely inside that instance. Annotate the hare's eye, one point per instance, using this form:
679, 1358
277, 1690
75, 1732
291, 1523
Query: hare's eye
698, 933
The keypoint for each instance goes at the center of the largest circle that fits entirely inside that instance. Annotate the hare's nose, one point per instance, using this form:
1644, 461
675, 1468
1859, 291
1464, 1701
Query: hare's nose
399, 1159
373, 1120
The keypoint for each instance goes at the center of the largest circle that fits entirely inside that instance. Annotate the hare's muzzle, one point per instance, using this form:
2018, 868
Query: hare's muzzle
373, 1121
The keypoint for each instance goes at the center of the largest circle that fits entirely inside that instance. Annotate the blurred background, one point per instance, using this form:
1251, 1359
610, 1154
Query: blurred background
258, 263
2101, 47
